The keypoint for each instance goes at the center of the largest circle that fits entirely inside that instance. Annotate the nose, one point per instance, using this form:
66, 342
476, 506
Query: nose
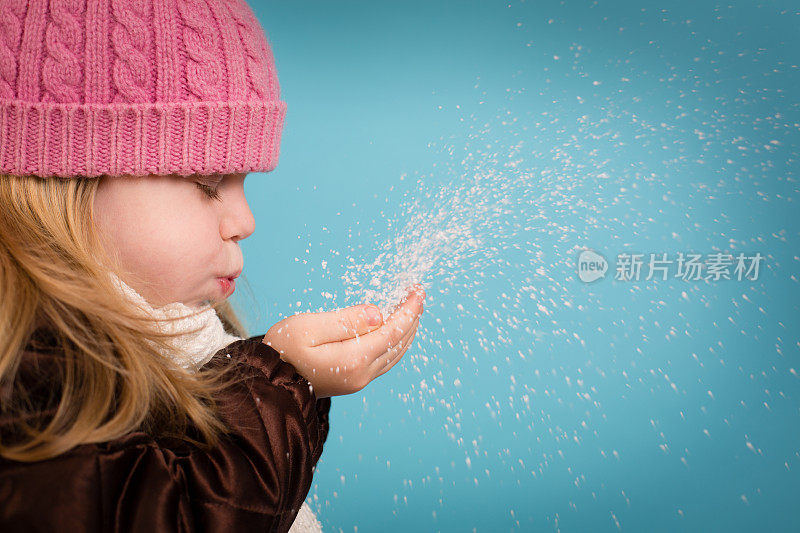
238, 222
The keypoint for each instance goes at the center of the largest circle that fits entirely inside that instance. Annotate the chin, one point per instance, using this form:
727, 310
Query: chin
195, 302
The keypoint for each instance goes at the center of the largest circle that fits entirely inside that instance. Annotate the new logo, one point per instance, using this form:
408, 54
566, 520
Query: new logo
591, 266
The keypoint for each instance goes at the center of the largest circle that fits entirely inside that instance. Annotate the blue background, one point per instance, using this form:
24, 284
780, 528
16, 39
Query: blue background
544, 403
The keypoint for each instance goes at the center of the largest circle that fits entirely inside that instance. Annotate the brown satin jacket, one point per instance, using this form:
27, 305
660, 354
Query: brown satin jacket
256, 479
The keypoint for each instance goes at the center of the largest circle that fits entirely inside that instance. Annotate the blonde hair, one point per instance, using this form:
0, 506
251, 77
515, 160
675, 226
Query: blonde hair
112, 378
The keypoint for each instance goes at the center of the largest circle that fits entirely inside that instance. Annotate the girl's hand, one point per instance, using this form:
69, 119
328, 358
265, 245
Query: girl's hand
341, 352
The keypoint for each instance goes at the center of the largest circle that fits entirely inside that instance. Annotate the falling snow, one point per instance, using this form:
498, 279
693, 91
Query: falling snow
521, 376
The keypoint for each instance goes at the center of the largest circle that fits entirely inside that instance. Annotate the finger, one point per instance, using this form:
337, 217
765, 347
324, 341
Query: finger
386, 361
405, 317
415, 288
375, 343
396, 357
339, 325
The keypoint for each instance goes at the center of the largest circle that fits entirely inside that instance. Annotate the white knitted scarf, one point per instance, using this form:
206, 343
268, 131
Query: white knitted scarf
193, 350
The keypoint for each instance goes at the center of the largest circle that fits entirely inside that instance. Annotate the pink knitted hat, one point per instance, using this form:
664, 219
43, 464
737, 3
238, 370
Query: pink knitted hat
136, 87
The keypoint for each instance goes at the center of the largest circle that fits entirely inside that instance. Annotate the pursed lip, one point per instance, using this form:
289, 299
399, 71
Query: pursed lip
233, 276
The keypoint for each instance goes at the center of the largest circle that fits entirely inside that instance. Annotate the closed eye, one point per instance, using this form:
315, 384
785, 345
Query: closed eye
209, 191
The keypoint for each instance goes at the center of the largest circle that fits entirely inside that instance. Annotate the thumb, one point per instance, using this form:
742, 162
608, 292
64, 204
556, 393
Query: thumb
343, 324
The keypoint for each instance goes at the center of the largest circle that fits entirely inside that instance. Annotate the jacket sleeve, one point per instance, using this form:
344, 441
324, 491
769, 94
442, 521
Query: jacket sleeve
262, 474
256, 479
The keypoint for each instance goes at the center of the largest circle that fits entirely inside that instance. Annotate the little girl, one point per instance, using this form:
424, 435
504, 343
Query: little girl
131, 397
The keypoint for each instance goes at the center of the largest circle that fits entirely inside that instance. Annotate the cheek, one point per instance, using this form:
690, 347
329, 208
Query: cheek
155, 238
173, 247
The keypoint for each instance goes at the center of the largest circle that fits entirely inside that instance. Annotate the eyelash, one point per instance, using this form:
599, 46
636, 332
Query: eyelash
208, 191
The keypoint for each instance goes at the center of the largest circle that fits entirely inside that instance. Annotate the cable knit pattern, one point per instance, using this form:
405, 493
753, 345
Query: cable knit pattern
131, 42
260, 78
62, 71
136, 87
236, 76
11, 13
203, 69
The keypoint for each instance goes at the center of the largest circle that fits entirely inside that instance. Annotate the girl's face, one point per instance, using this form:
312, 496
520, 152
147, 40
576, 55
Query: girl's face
179, 234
